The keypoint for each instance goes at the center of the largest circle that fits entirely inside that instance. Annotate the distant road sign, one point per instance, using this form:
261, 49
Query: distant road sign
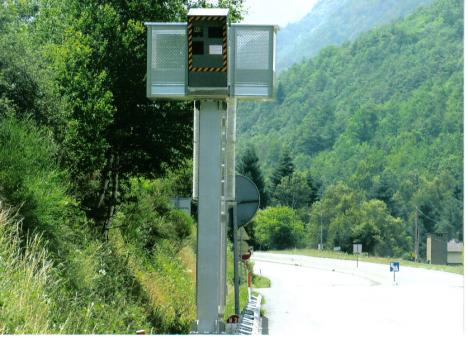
357, 248
394, 266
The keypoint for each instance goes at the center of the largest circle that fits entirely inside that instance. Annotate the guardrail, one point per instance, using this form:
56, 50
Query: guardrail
250, 322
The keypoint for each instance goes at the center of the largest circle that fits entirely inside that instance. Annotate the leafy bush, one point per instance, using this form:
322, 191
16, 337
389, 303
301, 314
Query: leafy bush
146, 217
30, 179
278, 228
343, 217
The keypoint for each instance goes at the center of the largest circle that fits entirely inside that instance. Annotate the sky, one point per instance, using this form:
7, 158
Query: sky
278, 12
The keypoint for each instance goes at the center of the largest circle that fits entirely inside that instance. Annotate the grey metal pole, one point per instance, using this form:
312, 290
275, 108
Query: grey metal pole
236, 258
209, 236
229, 180
196, 147
242, 271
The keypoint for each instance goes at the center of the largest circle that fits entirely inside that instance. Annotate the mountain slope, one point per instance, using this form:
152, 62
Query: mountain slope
384, 114
332, 22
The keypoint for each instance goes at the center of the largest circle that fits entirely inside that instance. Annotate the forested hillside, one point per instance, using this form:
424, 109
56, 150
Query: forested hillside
89, 240
377, 124
333, 22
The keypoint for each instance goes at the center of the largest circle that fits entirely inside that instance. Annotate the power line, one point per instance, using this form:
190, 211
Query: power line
426, 215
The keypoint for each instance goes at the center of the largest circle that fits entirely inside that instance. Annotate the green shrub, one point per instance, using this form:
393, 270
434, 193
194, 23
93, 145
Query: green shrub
31, 180
71, 282
147, 217
278, 228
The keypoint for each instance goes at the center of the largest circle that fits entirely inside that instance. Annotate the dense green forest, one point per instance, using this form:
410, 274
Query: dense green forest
365, 136
333, 22
89, 241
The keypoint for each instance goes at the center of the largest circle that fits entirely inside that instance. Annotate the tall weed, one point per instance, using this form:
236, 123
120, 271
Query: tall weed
26, 280
57, 277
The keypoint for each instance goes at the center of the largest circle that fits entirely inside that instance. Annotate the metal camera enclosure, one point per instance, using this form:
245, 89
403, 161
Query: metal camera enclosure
208, 58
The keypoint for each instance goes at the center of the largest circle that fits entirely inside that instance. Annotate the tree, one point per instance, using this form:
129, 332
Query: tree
293, 191
280, 94
236, 7
343, 217
374, 112
248, 165
314, 189
26, 89
285, 168
380, 233
439, 208
333, 217
114, 132
278, 228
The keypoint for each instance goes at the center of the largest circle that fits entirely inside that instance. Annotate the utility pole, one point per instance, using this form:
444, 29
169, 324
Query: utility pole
416, 236
321, 230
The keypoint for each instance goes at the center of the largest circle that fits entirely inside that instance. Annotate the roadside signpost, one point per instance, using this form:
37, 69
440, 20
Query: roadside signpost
245, 208
214, 63
357, 248
394, 267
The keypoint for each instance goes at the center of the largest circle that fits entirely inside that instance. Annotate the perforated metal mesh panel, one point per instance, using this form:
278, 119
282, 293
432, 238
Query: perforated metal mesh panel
167, 60
252, 64
252, 50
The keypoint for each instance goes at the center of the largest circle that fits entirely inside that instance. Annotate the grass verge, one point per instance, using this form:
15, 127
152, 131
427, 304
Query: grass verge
458, 269
259, 281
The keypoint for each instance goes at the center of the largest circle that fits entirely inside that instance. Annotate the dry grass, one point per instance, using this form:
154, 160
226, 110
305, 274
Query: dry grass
188, 258
168, 282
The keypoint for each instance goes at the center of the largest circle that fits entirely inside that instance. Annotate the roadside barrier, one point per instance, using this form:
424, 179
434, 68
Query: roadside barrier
250, 323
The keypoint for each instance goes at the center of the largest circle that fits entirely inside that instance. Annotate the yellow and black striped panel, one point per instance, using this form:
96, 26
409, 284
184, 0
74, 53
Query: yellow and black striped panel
225, 52
190, 44
208, 69
207, 18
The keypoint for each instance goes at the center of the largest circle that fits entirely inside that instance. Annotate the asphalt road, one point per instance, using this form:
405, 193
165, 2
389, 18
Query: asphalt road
313, 296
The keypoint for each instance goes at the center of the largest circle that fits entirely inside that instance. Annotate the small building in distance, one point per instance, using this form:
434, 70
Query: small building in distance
436, 249
454, 252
